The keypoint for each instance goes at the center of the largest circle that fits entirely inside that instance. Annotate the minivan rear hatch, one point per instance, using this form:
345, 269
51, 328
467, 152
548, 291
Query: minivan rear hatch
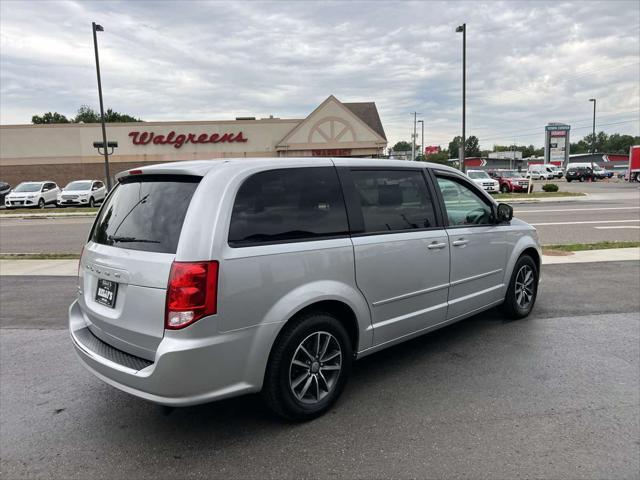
126, 263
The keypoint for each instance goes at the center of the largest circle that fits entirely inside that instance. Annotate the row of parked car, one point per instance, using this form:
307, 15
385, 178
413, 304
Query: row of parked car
504, 181
39, 194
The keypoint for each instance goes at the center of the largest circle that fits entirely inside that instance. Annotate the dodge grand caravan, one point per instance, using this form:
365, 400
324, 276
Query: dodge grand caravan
208, 279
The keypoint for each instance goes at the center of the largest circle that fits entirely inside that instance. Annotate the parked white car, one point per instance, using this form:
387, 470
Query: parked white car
540, 172
483, 180
83, 193
32, 194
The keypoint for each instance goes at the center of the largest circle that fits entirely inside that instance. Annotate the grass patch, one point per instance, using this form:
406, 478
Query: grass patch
520, 196
39, 256
575, 247
48, 210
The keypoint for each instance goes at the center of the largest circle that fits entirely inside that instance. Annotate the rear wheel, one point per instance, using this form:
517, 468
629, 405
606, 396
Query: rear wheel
522, 290
582, 178
308, 367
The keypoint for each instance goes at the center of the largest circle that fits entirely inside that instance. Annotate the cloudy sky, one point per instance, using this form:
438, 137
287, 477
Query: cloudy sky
529, 63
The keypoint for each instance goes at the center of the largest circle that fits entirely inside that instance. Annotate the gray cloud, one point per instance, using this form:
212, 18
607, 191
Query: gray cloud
528, 62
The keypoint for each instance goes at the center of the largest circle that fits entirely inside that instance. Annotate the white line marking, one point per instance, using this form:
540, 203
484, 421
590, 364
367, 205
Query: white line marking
582, 223
577, 209
617, 226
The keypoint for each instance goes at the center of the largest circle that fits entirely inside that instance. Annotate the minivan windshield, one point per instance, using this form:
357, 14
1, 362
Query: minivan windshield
28, 187
79, 185
478, 175
145, 213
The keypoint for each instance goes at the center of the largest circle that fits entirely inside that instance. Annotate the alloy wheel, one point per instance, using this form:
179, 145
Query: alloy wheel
524, 286
315, 367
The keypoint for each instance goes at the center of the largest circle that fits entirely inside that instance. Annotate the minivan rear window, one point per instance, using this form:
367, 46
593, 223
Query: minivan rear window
145, 213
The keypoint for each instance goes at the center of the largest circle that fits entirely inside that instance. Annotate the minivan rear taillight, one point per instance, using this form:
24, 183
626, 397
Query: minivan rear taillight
192, 293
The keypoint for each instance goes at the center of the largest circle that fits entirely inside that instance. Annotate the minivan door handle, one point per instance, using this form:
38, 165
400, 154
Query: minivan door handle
461, 242
436, 246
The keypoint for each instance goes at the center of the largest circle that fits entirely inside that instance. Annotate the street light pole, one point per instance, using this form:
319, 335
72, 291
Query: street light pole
413, 138
463, 28
593, 133
98, 28
421, 122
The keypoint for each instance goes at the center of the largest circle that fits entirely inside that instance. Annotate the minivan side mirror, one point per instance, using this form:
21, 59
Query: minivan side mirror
504, 213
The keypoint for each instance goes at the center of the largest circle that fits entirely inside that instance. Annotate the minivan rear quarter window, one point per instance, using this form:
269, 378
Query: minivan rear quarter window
283, 205
394, 200
145, 213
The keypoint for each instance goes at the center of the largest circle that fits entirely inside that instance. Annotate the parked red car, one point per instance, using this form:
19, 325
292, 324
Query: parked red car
510, 180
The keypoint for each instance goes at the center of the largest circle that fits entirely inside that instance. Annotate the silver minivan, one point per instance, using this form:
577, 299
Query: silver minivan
205, 280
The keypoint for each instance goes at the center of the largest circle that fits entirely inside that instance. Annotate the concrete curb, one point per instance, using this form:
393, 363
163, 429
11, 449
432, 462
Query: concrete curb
69, 268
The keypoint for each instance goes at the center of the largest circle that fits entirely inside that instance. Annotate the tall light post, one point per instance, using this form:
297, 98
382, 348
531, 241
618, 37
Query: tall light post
463, 28
98, 28
593, 133
413, 137
421, 122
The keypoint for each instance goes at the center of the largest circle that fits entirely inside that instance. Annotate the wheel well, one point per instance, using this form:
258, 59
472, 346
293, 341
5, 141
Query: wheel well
342, 312
533, 253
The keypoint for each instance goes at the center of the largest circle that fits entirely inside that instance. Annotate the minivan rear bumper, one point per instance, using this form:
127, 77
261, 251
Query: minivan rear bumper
185, 371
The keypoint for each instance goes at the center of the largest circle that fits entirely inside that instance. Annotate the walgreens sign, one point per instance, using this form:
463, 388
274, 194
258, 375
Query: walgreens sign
179, 139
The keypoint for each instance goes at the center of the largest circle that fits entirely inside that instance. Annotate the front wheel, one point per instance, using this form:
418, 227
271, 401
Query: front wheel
41, 203
92, 203
522, 290
308, 367
582, 178
504, 188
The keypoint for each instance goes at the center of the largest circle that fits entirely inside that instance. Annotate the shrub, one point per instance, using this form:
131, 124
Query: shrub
550, 187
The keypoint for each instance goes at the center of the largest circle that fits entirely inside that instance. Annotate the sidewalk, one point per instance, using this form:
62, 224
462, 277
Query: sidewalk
69, 268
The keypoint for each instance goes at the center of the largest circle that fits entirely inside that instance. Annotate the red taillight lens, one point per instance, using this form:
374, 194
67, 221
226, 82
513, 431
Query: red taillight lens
192, 293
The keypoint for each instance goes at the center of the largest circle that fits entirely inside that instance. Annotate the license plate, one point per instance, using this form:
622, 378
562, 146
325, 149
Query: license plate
106, 292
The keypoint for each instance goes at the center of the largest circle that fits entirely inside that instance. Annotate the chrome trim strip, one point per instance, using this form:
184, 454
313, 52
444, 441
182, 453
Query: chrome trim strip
475, 294
384, 323
410, 294
475, 277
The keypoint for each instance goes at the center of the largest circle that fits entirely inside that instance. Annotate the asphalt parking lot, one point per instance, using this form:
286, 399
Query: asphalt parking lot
555, 396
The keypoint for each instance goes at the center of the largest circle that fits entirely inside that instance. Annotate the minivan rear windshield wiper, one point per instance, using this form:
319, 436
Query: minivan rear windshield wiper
129, 240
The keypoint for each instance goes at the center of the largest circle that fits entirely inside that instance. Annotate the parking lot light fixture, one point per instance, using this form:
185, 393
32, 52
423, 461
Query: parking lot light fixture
99, 28
463, 29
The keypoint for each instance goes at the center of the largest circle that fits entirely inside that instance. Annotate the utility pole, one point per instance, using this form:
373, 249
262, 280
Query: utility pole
413, 137
98, 28
421, 122
593, 135
463, 28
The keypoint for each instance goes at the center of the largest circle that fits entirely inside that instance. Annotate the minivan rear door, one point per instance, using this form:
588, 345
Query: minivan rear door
401, 249
125, 265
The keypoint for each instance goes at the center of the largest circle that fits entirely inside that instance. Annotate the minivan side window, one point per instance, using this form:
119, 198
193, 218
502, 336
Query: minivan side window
394, 200
288, 205
464, 206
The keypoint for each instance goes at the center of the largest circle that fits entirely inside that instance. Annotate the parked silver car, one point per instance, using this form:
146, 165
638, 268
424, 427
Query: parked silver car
85, 193
32, 194
208, 279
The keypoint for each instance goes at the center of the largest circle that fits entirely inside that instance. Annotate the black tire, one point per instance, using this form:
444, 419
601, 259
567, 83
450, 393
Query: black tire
41, 203
582, 178
511, 306
92, 203
504, 188
278, 390
568, 180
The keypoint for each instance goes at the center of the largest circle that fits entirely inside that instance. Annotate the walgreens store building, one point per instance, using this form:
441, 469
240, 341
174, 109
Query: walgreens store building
65, 152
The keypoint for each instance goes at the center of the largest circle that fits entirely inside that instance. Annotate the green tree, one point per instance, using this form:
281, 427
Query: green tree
86, 114
454, 146
49, 117
472, 147
440, 157
401, 146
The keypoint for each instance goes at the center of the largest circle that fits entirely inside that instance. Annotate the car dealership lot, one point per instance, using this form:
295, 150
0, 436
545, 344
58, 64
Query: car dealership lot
555, 395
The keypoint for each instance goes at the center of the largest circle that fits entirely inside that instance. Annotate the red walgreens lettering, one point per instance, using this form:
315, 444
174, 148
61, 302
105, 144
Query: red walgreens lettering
144, 138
